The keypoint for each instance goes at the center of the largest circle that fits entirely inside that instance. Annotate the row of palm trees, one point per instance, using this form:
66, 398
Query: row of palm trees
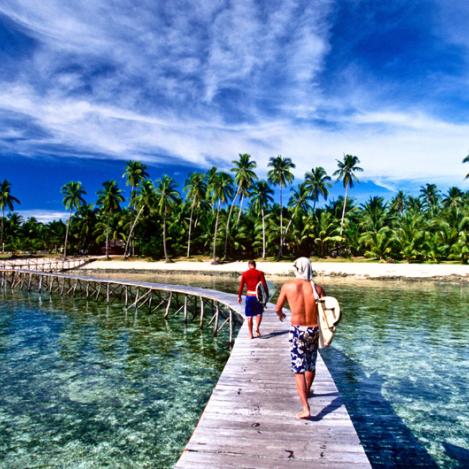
210, 215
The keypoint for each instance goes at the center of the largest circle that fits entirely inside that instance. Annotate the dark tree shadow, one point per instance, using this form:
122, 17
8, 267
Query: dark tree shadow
387, 440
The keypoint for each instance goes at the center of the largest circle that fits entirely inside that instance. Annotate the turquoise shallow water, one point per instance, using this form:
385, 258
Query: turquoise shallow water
401, 361
82, 386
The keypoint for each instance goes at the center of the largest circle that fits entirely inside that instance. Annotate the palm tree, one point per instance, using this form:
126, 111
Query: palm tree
374, 213
144, 200
109, 199
454, 198
196, 189
262, 196
298, 203
317, 183
167, 196
14, 229
398, 203
430, 197
346, 173
221, 190
7, 200
466, 160
280, 175
135, 173
244, 178
322, 229
73, 193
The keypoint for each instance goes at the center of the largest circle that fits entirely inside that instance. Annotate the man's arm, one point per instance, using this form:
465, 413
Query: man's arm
321, 291
241, 286
282, 298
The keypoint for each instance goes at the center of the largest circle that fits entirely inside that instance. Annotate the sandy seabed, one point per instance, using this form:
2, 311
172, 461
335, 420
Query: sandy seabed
285, 269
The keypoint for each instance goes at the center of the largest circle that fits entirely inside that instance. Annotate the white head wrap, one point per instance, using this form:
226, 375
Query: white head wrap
303, 268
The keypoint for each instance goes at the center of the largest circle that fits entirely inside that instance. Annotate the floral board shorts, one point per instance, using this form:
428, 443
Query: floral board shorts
303, 348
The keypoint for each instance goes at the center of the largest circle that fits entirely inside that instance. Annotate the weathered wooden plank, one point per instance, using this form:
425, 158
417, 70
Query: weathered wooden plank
196, 459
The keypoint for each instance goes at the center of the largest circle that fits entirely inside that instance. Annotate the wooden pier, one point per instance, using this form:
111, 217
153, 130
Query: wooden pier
249, 421
211, 308
45, 264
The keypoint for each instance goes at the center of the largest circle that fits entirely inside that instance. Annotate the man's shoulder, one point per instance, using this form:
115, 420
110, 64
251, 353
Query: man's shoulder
289, 284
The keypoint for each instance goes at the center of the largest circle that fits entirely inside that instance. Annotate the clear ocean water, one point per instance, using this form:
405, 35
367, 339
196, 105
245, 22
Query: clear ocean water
82, 386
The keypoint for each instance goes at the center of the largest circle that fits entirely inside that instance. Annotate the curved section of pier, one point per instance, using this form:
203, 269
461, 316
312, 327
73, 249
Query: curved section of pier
249, 421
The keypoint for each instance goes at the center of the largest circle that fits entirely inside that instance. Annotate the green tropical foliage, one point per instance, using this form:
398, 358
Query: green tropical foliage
7, 200
208, 214
73, 193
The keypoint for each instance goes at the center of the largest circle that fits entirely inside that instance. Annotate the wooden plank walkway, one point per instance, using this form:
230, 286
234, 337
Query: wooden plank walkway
249, 421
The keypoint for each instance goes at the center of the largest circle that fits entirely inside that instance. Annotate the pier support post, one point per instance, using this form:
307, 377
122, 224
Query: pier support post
166, 314
185, 308
201, 312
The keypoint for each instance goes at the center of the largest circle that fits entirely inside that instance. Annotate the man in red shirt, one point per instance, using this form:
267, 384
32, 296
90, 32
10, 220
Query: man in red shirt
251, 279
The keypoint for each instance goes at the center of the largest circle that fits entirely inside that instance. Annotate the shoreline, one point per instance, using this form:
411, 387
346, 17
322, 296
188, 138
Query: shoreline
447, 272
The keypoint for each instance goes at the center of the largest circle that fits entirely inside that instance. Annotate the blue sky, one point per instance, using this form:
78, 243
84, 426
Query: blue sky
87, 85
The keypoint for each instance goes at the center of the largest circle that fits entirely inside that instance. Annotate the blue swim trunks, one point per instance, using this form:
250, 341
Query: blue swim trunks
253, 307
304, 343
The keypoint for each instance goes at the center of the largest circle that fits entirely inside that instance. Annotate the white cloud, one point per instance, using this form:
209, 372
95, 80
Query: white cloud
159, 97
43, 216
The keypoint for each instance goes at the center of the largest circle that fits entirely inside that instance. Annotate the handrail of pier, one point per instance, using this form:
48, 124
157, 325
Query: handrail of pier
44, 264
134, 294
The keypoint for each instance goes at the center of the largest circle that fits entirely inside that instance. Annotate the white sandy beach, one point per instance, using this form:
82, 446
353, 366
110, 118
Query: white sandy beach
321, 269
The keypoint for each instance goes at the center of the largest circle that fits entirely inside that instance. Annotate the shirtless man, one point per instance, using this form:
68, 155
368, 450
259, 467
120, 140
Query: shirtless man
250, 279
304, 330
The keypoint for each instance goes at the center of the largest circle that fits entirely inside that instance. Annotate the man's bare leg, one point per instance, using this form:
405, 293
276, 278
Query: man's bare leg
301, 389
249, 327
258, 324
309, 377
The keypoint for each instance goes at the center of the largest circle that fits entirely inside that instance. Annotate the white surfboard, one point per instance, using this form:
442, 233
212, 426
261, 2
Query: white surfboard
261, 294
329, 316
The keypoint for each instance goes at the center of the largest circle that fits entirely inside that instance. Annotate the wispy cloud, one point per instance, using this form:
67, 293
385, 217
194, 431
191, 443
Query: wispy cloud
201, 82
43, 216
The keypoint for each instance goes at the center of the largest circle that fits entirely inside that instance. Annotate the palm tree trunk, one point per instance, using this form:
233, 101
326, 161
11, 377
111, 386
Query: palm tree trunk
164, 239
190, 231
288, 226
107, 242
240, 209
66, 234
228, 221
343, 211
263, 234
3, 217
132, 228
214, 250
280, 251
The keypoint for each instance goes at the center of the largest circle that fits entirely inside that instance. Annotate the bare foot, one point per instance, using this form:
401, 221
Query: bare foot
250, 336
304, 414
257, 334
